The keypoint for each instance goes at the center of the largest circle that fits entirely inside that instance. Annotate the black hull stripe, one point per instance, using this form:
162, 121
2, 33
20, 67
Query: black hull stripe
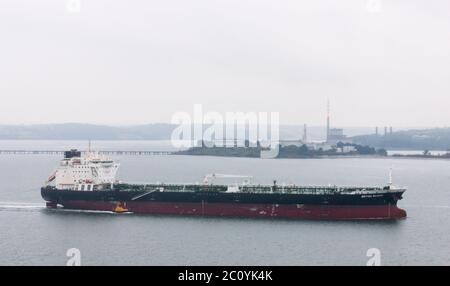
385, 198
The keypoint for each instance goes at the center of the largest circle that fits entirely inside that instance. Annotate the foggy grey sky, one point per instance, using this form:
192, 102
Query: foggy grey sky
139, 61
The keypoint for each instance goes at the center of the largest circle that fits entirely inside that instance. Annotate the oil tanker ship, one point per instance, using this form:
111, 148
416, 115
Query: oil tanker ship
88, 182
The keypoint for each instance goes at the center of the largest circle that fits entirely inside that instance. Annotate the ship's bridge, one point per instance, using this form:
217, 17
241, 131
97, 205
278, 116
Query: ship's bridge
77, 172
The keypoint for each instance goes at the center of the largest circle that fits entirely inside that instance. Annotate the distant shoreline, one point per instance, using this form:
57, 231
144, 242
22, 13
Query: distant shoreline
418, 156
329, 157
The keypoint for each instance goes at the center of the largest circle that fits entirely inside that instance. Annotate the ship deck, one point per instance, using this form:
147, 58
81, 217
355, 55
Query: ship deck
257, 189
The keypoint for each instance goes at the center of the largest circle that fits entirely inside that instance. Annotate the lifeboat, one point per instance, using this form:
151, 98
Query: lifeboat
120, 209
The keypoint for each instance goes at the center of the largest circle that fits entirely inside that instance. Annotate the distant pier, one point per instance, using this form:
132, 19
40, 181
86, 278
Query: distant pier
111, 153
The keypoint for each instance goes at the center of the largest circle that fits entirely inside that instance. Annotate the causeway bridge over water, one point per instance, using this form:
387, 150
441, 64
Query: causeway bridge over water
105, 152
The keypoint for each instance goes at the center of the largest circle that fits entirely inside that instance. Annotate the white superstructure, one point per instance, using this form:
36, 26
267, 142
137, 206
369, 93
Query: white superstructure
84, 173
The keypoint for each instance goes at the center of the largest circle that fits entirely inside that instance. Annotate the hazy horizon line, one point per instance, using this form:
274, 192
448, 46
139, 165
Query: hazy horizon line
169, 123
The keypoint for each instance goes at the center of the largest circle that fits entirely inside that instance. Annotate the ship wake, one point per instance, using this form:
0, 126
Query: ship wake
21, 206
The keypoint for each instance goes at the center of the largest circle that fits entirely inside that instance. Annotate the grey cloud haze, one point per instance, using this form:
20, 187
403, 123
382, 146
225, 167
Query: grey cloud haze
132, 62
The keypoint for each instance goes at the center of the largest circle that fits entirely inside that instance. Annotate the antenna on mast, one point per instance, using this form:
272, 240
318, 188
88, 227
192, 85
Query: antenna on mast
89, 146
390, 176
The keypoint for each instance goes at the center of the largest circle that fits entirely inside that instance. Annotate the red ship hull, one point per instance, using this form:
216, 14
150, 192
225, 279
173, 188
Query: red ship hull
289, 211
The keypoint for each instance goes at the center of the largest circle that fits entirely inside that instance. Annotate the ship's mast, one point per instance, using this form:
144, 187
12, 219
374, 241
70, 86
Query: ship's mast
390, 177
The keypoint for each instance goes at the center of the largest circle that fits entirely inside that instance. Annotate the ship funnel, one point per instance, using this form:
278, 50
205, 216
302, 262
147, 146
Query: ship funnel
73, 153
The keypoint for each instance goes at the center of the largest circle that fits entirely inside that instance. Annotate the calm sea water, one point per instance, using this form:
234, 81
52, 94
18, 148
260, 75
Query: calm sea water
33, 235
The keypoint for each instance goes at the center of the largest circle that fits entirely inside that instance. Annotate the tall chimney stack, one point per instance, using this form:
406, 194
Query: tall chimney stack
305, 136
328, 120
